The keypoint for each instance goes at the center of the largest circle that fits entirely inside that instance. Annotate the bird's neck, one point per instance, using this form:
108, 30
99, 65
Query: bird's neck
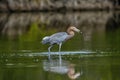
70, 32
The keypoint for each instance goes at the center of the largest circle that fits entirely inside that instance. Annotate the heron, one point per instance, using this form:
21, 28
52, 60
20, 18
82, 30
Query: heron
59, 37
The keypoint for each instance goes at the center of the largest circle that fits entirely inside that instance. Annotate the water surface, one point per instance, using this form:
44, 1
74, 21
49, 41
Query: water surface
92, 55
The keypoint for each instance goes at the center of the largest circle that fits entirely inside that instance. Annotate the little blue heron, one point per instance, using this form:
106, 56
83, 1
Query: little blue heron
59, 37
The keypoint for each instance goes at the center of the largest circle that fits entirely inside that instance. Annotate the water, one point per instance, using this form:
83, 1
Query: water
92, 55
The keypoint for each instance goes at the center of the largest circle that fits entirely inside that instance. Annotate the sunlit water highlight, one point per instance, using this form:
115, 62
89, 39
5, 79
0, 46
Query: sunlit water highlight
63, 53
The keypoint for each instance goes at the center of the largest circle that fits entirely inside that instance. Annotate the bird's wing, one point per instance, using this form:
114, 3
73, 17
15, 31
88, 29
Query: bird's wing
58, 37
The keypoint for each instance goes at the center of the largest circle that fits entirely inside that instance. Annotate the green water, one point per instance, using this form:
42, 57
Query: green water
94, 54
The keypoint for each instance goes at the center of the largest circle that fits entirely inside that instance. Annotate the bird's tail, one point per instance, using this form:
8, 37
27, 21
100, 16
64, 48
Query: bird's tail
45, 40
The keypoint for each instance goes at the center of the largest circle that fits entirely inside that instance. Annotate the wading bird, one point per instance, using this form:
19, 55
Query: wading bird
59, 37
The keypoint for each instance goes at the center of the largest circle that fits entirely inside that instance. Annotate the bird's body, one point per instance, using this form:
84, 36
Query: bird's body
55, 38
60, 37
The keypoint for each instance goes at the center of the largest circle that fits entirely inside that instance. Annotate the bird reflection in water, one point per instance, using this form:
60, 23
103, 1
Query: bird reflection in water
61, 67
71, 72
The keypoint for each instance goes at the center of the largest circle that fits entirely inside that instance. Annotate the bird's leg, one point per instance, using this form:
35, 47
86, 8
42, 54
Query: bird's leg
60, 44
49, 51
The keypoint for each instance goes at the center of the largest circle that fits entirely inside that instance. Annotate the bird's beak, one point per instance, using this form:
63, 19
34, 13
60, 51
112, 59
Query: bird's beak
77, 30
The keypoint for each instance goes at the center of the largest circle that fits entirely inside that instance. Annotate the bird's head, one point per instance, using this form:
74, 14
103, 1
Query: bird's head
74, 29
